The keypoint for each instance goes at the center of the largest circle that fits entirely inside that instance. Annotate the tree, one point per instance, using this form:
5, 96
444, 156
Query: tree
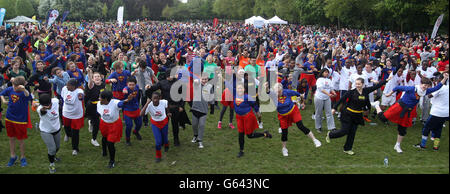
23, 7
105, 11
43, 8
144, 12
9, 5
114, 7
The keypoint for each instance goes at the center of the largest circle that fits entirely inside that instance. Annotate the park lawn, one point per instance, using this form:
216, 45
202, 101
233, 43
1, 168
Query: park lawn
262, 156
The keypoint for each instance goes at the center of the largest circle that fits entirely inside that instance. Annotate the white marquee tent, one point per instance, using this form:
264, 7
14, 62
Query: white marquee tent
276, 20
21, 19
256, 21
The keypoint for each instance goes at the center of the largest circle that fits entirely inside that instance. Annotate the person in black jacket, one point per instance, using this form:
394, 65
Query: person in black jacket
175, 107
41, 76
352, 115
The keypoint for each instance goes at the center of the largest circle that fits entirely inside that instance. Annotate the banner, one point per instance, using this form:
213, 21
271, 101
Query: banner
2, 15
437, 25
216, 22
52, 17
65, 14
120, 15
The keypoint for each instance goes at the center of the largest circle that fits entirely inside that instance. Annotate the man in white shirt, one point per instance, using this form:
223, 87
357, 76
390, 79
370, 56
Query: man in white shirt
397, 80
371, 78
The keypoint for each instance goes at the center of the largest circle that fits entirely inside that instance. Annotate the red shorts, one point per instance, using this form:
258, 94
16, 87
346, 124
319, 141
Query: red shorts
247, 124
226, 95
311, 78
287, 119
19, 131
132, 114
112, 131
393, 115
160, 124
75, 124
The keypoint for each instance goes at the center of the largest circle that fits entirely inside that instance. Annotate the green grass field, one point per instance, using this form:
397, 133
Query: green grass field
263, 156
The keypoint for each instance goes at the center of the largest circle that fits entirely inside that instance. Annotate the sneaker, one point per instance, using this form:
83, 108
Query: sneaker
176, 143
57, 160
157, 160
313, 117
419, 146
285, 152
280, 131
128, 142
375, 104
319, 130
12, 161
66, 138
367, 119
90, 126
138, 136
52, 168
261, 125
95, 143
241, 154
351, 153
432, 138
231, 126
23, 162
398, 149
219, 125
111, 164
317, 143
267, 134
200, 145
327, 139
194, 140
74, 153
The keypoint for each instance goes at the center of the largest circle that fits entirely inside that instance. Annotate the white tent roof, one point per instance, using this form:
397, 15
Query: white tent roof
21, 19
254, 19
276, 20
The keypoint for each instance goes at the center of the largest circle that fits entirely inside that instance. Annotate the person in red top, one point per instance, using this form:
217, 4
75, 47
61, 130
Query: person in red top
443, 63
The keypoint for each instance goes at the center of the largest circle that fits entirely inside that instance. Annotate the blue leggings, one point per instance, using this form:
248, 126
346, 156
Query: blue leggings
161, 136
129, 125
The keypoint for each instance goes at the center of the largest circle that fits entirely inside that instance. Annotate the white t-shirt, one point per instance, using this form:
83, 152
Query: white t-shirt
335, 80
370, 76
356, 76
428, 73
49, 122
323, 84
440, 102
158, 113
109, 113
345, 77
73, 107
394, 82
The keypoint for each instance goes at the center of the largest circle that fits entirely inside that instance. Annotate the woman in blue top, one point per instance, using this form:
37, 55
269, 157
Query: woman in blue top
76, 73
400, 113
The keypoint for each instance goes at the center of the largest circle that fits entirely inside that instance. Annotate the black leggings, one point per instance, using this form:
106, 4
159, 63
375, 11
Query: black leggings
222, 113
251, 136
284, 135
75, 135
348, 129
111, 148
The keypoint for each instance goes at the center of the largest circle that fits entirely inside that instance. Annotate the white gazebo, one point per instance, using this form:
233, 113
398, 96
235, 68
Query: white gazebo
276, 20
256, 21
21, 19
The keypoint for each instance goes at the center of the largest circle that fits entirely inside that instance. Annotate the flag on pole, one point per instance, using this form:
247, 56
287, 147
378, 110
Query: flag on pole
120, 15
2, 15
216, 22
437, 25
52, 17
65, 14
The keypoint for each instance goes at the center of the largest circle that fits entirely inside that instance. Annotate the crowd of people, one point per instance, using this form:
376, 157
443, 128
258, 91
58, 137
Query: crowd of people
113, 75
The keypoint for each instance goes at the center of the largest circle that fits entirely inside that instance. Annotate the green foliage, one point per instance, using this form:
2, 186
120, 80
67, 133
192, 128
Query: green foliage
24, 7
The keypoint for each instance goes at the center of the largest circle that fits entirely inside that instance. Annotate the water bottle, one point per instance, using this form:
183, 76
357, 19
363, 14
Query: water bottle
386, 162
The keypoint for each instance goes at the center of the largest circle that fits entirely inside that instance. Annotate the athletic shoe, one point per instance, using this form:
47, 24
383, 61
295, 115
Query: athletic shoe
327, 139
66, 138
200, 145
285, 152
319, 130
267, 134
138, 136
74, 153
23, 162
219, 125
317, 143
111, 164
128, 142
367, 119
57, 159
231, 126
90, 126
12, 161
280, 131
176, 143
432, 138
95, 143
157, 160
52, 168
351, 153
194, 140
241, 154
419, 146
313, 117
398, 149
375, 104
261, 125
